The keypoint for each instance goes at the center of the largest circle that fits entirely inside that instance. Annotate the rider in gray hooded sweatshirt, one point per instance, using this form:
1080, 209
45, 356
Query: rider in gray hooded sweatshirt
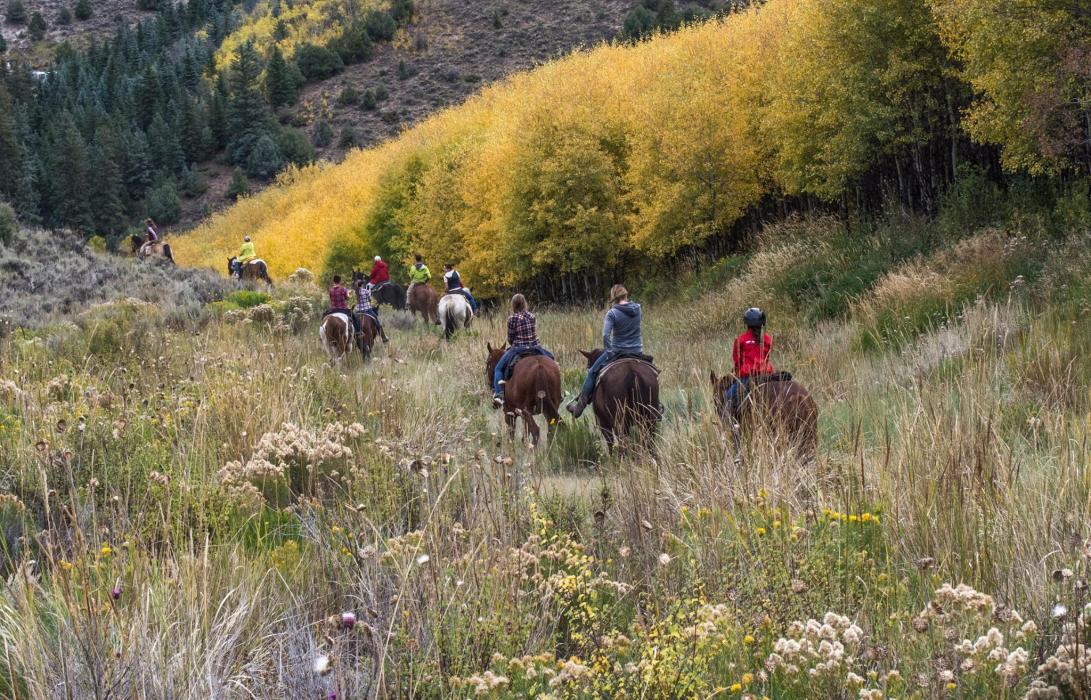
620, 336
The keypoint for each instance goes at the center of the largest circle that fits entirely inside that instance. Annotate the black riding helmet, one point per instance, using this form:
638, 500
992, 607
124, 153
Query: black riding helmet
754, 318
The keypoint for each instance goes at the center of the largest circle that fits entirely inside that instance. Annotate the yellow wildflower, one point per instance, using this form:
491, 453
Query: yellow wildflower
736, 688
106, 550
760, 531
748, 639
747, 678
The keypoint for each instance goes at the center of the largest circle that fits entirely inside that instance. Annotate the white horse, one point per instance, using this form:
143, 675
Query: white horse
454, 313
336, 336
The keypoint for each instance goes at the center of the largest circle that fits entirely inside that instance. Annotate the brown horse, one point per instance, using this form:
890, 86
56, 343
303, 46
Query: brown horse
774, 403
336, 336
534, 388
365, 339
626, 397
251, 271
424, 300
151, 250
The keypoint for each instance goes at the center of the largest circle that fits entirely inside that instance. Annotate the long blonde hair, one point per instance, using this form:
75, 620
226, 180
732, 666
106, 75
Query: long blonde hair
518, 303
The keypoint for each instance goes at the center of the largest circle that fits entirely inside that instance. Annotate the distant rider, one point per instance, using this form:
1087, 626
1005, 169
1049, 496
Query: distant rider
339, 303
522, 338
364, 305
454, 284
750, 354
380, 273
151, 237
246, 254
620, 336
418, 274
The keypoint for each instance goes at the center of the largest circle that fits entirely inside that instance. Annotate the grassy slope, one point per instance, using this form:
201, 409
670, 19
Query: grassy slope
103, 22
968, 441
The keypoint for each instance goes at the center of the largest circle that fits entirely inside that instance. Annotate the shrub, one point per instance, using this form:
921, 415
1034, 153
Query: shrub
323, 134
318, 62
381, 92
348, 139
64, 17
368, 100
265, 159
639, 23
37, 27
380, 25
349, 96
97, 244
83, 10
193, 182
16, 12
973, 202
246, 298
354, 45
163, 203
9, 225
239, 186
402, 10
296, 147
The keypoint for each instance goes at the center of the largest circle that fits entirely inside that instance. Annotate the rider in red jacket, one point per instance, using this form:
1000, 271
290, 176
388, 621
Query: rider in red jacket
379, 272
751, 356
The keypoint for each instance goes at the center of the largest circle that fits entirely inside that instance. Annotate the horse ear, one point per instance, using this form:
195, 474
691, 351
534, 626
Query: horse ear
488, 346
712, 376
586, 354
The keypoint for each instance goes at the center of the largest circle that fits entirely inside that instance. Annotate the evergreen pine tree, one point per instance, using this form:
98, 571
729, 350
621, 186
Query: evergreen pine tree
191, 131
138, 166
16, 178
147, 97
83, 10
166, 151
248, 116
71, 177
217, 112
37, 27
3, 44
64, 17
239, 185
107, 192
281, 85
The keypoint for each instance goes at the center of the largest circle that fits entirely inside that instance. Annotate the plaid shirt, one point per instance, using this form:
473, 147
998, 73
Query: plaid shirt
339, 297
522, 330
363, 298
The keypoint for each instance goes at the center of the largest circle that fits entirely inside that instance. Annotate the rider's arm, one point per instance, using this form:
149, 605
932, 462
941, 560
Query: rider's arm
736, 355
607, 329
511, 330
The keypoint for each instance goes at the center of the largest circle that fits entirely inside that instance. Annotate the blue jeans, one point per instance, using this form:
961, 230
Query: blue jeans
735, 395
593, 374
373, 312
469, 297
506, 359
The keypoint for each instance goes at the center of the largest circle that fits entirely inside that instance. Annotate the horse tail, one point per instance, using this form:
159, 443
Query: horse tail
167, 253
449, 320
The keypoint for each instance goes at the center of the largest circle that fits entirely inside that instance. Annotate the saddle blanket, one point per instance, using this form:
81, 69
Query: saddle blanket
646, 359
534, 351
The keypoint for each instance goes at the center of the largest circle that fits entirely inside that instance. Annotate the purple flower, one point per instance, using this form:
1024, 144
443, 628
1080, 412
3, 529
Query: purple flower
116, 592
348, 619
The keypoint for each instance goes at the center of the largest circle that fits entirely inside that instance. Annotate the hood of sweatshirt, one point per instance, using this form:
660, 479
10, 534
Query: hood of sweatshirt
632, 309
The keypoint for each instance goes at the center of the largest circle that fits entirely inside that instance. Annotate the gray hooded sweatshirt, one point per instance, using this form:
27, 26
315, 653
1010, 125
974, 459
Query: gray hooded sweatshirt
621, 329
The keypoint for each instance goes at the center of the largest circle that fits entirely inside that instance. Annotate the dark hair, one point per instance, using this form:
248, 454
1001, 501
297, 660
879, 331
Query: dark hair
419, 257
449, 264
518, 303
337, 279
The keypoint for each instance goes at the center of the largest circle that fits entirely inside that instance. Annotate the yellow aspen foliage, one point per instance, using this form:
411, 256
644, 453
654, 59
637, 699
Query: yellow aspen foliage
1029, 62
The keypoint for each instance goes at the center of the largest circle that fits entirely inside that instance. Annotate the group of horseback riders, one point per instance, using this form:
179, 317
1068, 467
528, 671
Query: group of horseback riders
622, 338
420, 274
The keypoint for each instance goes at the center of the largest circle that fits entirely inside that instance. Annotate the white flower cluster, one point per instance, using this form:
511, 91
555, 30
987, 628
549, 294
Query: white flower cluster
1067, 673
820, 649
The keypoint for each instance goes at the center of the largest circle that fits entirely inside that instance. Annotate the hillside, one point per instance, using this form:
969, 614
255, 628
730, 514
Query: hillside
106, 15
372, 532
628, 158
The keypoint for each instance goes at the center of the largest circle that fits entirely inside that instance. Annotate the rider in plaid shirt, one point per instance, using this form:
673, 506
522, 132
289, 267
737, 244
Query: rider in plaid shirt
522, 339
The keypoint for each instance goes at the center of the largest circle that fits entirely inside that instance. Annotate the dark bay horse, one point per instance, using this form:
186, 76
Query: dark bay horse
158, 249
424, 300
776, 404
386, 293
534, 388
365, 339
626, 397
252, 271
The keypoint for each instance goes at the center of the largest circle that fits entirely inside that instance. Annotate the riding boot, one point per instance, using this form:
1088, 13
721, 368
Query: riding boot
382, 334
498, 397
577, 407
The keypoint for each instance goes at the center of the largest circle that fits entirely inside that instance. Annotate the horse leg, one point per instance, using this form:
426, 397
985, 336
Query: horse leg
532, 428
736, 439
509, 418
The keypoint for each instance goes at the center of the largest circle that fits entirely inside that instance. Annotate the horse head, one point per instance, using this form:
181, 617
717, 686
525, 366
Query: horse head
492, 359
592, 355
136, 241
231, 264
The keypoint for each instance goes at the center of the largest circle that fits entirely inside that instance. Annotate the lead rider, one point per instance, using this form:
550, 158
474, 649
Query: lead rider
620, 336
750, 354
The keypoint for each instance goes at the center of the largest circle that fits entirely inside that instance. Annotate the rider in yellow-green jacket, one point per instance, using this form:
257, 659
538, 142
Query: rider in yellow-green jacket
247, 252
418, 274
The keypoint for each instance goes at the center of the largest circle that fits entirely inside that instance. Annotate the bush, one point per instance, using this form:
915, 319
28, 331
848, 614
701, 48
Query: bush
163, 203
194, 183
972, 203
323, 134
246, 298
318, 62
380, 25
381, 93
9, 225
639, 23
16, 12
402, 11
349, 139
64, 17
37, 27
349, 96
295, 147
83, 10
368, 100
354, 45
265, 159
97, 244
239, 186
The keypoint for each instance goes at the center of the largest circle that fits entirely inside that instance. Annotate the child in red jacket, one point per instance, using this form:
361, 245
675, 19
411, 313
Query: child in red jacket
751, 356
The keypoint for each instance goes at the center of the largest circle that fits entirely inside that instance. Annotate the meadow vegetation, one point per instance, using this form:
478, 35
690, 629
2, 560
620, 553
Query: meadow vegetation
207, 509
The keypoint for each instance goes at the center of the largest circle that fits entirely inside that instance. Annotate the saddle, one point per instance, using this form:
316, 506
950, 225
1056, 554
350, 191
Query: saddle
638, 357
758, 380
523, 352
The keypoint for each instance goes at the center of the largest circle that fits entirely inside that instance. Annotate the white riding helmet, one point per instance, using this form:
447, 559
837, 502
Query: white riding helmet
246, 239
378, 259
